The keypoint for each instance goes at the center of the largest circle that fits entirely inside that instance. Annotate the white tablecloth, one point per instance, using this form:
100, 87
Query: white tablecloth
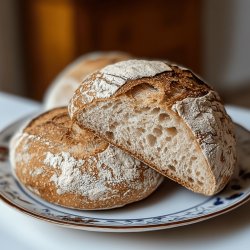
20, 232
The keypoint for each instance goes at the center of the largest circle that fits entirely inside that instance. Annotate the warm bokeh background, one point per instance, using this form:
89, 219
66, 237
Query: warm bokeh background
38, 38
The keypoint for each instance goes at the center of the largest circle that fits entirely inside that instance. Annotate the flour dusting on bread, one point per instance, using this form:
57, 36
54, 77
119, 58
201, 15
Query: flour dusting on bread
112, 165
213, 128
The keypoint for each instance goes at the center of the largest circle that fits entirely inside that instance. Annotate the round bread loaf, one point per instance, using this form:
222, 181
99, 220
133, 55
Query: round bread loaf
63, 87
66, 165
163, 115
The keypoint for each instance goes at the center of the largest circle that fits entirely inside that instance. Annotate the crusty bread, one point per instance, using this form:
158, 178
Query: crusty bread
66, 165
63, 87
165, 116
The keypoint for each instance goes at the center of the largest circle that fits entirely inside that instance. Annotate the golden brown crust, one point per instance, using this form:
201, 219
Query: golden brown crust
66, 165
171, 86
55, 126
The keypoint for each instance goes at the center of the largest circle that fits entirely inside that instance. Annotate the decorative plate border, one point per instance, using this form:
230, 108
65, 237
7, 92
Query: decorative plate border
234, 195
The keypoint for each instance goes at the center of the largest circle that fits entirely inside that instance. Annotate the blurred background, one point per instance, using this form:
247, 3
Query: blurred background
38, 38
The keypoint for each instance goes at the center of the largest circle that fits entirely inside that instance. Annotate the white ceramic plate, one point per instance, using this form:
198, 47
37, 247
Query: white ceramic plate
170, 206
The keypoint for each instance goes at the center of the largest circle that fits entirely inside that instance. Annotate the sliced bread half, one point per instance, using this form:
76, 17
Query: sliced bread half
165, 116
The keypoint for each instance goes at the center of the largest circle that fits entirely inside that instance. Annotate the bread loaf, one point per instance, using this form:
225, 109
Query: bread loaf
66, 165
163, 115
63, 87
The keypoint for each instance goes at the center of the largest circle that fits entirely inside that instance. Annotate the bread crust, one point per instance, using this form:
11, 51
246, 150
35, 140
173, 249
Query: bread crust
177, 90
172, 83
66, 165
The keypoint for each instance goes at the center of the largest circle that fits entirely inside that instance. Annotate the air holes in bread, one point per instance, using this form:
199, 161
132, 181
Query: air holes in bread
151, 139
200, 183
171, 131
190, 179
113, 125
110, 134
171, 167
168, 138
155, 111
193, 158
163, 117
145, 109
157, 131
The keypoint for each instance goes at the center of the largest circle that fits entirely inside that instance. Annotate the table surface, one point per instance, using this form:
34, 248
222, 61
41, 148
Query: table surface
19, 231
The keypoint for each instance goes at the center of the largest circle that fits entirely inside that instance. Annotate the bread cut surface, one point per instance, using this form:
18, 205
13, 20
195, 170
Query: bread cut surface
163, 115
66, 165
63, 87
